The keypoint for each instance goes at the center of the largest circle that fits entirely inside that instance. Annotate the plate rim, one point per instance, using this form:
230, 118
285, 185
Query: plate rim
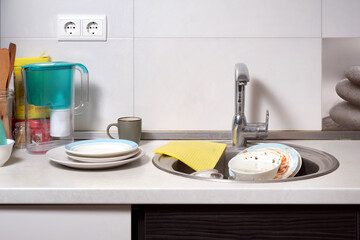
132, 144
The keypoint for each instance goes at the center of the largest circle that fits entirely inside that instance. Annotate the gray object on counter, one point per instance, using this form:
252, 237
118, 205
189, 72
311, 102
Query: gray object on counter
348, 91
129, 128
346, 114
353, 74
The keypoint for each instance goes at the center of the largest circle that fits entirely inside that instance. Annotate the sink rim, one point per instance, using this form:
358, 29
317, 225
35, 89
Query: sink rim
327, 164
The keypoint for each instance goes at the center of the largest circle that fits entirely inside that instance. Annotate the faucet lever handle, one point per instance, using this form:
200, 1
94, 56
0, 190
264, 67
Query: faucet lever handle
267, 120
259, 128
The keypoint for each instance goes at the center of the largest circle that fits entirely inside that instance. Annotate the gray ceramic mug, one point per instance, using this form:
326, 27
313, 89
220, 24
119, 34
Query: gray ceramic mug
129, 128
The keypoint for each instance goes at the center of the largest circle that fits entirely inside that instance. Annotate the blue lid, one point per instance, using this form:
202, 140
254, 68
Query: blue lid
48, 66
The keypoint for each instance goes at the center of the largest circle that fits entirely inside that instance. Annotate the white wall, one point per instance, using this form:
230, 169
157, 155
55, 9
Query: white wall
172, 62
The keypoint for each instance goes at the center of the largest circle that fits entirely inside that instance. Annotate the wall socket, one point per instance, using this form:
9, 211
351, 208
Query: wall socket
81, 28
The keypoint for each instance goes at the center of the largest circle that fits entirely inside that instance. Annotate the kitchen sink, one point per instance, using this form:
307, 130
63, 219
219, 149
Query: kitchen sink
315, 163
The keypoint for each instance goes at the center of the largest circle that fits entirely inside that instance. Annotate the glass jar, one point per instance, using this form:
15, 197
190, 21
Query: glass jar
7, 110
19, 135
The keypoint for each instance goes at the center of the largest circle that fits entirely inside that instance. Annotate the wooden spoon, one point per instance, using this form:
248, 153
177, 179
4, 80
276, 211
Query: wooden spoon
4, 67
12, 52
4, 73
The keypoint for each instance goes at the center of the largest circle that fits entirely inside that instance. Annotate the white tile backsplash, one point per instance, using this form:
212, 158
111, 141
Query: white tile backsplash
110, 74
172, 62
184, 84
227, 18
37, 18
340, 18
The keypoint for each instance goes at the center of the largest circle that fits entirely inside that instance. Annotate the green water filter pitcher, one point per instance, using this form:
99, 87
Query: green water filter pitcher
51, 86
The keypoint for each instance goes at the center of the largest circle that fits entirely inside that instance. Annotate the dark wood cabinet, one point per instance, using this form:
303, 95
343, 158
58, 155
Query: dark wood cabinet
213, 222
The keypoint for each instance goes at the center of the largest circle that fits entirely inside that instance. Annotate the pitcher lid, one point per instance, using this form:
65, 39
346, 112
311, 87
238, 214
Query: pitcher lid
48, 66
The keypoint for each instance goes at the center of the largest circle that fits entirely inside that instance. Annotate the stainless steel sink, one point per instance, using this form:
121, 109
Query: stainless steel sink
315, 163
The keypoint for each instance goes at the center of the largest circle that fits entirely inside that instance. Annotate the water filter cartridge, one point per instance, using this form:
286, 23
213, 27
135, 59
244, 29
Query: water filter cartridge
60, 122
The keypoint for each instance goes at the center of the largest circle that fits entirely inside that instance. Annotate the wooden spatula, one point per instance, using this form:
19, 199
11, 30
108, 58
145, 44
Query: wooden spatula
4, 67
4, 73
12, 52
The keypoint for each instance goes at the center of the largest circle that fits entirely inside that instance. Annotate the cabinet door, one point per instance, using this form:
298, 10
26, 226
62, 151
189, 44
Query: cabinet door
212, 222
70, 222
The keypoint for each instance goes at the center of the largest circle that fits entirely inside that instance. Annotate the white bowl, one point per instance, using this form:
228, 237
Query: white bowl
255, 165
5, 151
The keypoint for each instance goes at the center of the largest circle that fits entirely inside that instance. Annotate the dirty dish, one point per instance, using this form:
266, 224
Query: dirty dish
298, 167
291, 159
101, 148
290, 162
104, 159
260, 164
59, 156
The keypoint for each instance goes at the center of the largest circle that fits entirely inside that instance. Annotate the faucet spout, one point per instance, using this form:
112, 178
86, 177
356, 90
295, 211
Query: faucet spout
241, 79
241, 129
241, 73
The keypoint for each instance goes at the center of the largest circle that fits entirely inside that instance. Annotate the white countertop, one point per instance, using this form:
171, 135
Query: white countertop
33, 179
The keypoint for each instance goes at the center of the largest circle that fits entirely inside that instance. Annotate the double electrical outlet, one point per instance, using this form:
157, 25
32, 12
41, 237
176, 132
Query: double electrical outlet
81, 28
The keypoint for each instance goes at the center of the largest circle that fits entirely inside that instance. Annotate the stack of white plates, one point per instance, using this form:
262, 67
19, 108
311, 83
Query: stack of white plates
96, 154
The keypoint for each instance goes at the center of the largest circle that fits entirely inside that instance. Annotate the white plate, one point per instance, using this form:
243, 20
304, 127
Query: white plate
59, 156
103, 159
299, 165
101, 148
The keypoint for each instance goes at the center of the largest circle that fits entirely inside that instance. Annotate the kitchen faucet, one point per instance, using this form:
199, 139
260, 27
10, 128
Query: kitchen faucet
241, 129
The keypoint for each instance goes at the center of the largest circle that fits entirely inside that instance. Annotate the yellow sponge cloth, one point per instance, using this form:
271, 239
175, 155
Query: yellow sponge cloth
199, 155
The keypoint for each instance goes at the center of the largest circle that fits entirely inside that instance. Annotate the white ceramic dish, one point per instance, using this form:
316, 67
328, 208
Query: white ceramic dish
5, 151
298, 166
103, 159
59, 156
255, 165
290, 166
101, 148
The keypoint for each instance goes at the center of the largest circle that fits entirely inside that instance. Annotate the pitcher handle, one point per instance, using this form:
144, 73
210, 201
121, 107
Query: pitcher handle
84, 89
